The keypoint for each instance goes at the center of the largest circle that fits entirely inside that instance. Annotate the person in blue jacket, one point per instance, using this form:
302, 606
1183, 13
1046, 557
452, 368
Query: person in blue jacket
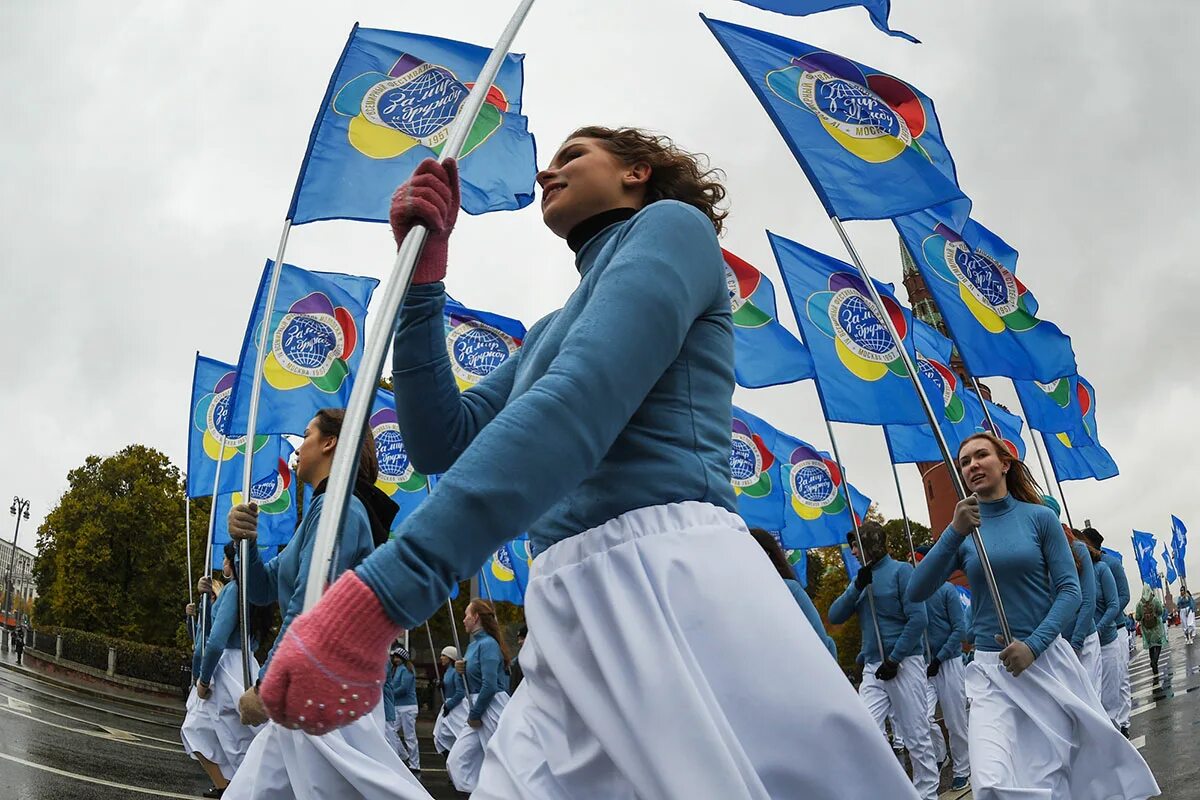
606, 436
1026, 711
452, 715
947, 631
1187, 615
485, 671
894, 680
775, 553
1106, 611
403, 689
1095, 540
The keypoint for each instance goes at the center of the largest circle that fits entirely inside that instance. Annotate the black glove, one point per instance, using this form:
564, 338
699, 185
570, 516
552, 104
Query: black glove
934, 666
887, 670
863, 578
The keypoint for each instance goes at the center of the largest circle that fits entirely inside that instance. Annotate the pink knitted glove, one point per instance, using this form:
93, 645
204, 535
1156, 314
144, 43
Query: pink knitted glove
328, 670
430, 198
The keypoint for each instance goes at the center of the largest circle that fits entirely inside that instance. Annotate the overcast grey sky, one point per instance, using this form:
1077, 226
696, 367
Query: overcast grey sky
150, 149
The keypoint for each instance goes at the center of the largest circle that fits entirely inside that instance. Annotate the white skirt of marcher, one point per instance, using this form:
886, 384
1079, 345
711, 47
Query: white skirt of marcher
447, 726
1093, 667
1044, 734
466, 756
212, 727
353, 761
636, 683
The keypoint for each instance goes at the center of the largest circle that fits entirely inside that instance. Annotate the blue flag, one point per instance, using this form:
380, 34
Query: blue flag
1143, 550
877, 9
1078, 454
398, 479
1113, 553
861, 375
276, 499
930, 341
849, 561
478, 342
993, 316
816, 513
754, 471
208, 428
765, 353
505, 575
1055, 406
1170, 566
314, 344
869, 143
389, 106
964, 597
1179, 544
798, 558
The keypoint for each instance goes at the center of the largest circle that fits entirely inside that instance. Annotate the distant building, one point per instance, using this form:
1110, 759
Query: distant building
22, 572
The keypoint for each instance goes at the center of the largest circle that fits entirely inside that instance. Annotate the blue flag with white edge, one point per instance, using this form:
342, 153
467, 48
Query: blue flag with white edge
1077, 454
209, 441
994, 318
389, 106
877, 9
1179, 544
397, 478
1054, 406
504, 577
849, 561
1143, 550
478, 341
314, 345
1169, 565
764, 352
275, 495
869, 143
817, 514
861, 375
754, 471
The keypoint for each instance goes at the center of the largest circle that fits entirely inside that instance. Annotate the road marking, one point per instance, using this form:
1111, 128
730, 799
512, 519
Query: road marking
19, 705
110, 712
114, 732
95, 734
98, 781
1138, 741
1142, 709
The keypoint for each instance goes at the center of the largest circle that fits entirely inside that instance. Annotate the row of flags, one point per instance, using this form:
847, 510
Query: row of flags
1144, 545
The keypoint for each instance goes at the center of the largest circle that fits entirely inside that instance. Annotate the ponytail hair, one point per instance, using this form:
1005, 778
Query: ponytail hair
774, 552
1018, 478
491, 626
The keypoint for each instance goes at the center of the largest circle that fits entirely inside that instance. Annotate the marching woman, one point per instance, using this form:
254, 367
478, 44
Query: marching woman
452, 715
778, 560
212, 732
355, 760
485, 669
1083, 636
894, 680
1187, 615
1032, 732
946, 631
404, 699
1096, 542
606, 436
1112, 652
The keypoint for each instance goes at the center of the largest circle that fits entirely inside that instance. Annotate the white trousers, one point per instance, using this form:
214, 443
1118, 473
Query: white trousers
1093, 665
906, 698
935, 730
1188, 618
401, 734
1115, 674
950, 690
213, 727
1126, 691
1037, 736
447, 726
635, 683
465, 759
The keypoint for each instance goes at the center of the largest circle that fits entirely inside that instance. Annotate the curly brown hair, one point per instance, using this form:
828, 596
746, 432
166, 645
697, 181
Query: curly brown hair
675, 174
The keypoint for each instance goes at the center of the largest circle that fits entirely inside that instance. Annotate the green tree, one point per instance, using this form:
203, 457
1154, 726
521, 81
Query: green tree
111, 555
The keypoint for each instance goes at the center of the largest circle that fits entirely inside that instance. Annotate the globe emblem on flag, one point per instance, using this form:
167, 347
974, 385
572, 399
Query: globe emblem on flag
272, 493
940, 382
476, 350
983, 276
859, 327
993, 294
311, 344
396, 472
813, 482
211, 416
742, 281
307, 344
862, 341
502, 566
421, 103
749, 462
218, 420
875, 117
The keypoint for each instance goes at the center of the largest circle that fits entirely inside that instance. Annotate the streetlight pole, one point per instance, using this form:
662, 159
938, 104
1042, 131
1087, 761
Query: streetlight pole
19, 508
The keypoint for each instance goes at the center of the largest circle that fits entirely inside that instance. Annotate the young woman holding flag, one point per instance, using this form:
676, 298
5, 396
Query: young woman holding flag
607, 437
484, 668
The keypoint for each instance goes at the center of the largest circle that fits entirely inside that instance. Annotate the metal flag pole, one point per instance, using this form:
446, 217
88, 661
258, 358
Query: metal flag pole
487, 588
187, 544
454, 628
862, 551
432, 650
984, 562
983, 402
379, 339
1063, 495
208, 548
912, 550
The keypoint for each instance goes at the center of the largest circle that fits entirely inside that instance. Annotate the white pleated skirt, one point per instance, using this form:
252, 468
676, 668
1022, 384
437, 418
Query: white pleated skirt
636, 683
447, 726
1188, 618
466, 756
1093, 666
350, 762
1043, 735
212, 727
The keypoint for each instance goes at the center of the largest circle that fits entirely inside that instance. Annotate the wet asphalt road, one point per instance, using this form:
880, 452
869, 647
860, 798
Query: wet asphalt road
57, 744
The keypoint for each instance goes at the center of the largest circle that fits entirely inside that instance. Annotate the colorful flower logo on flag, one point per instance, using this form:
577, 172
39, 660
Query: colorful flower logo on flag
502, 561
749, 462
396, 472
311, 343
211, 415
875, 117
476, 349
982, 426
743, 281
847, 315
273, 493
942, 382
414, 103
815, 484
989, 289
1059, 391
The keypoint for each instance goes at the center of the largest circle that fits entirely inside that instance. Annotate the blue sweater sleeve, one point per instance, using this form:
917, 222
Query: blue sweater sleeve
1064, 583
914, 612
933, 571
1106, 593
1084, 624
810, 612
438, 423
663, 277
453, 686
261, 586
958, 625
842, 608
225, 622
1118, 573
489, 662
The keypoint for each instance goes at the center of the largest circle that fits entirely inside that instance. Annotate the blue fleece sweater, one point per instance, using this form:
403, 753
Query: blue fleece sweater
486, 674
205, 609
1085, 618
225, 633
810, 612
947, 623
452, 688
619, 400
283, 579
1033, 568
901, 620
404, 687
1118, 572
1107, 610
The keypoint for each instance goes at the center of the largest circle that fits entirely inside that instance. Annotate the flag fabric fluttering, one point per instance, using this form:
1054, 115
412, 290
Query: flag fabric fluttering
1179, 545
505, 575
208, 430
314, 344
276, 499
398, 479
861, 376
1143, 550
1115, 554
389, 106
1169, 566
765, 352
816, 513
755, 471
1056, 406
869, 143
1077, 454
478, 341
970, 272
877, 9
849, 561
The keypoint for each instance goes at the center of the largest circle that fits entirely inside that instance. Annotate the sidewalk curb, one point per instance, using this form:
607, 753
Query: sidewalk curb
145, 705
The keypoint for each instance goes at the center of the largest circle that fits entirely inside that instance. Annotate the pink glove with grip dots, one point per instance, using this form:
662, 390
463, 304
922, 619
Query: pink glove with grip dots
328, 671
430, 198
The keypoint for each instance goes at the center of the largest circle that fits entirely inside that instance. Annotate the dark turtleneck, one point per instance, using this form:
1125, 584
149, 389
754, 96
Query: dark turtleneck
582, 233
